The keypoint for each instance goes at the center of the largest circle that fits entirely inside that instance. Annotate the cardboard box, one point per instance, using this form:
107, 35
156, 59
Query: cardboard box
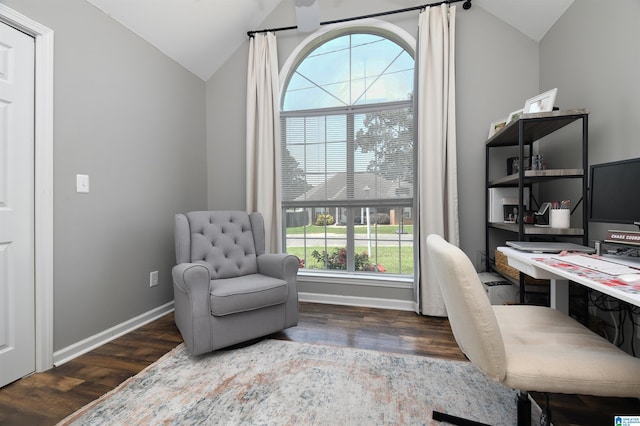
499, 290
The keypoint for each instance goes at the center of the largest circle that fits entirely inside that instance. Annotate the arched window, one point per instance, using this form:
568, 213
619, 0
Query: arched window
347, 160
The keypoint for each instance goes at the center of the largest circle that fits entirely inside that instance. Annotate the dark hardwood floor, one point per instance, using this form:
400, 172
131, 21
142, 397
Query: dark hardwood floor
45, 398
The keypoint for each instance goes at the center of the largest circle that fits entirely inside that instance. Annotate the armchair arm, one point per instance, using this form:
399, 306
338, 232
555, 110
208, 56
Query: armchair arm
192, 278
192, 305
283, 266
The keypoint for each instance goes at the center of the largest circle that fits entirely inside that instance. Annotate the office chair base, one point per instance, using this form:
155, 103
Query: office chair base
454, 420
524, 409
545, 417
524, 414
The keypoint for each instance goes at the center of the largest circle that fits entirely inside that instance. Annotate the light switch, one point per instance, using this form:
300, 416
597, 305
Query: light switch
82, 183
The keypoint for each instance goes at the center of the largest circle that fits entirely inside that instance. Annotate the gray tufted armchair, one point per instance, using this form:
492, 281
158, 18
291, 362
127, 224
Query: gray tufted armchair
227, 290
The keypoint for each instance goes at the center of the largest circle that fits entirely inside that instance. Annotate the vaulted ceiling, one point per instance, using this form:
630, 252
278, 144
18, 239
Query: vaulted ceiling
202, 34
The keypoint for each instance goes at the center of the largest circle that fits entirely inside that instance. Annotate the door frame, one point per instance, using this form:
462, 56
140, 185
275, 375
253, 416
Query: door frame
43, 140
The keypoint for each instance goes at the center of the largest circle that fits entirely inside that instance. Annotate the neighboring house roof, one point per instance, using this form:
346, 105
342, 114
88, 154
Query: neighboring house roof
365, 186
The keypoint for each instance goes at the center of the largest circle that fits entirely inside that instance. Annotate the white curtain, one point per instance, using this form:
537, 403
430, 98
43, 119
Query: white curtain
263, 135
437, 172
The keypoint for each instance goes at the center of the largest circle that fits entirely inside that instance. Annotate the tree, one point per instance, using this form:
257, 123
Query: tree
293, 177
388, 135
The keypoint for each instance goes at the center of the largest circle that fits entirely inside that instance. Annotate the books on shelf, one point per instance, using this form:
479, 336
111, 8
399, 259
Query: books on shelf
626, 237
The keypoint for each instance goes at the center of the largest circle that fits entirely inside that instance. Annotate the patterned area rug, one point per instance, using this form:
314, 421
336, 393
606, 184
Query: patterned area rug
278, 382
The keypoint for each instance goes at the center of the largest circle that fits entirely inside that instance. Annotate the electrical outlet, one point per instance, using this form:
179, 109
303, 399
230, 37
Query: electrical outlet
153, 279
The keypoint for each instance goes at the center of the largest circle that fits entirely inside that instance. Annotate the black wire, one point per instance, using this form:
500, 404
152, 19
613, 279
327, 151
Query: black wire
622, 316
599, 299
630, 313
626, 312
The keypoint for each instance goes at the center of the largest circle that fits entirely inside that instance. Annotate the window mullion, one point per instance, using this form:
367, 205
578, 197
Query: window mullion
351, 262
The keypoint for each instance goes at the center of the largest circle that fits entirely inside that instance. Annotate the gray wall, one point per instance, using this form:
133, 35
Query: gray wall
497, 70
226, 98
591, 55
134, 121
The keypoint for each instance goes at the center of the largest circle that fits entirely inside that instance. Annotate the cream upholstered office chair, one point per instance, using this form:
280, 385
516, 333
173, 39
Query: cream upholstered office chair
527, 348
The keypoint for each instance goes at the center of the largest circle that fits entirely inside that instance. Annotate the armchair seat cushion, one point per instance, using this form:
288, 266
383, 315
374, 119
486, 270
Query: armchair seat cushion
246, 293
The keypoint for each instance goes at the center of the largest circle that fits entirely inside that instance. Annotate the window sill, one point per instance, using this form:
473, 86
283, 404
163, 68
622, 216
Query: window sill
382, 280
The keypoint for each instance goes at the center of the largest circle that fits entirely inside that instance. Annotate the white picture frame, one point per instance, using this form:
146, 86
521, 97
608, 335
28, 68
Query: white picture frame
498, 125
515, 115
544, 102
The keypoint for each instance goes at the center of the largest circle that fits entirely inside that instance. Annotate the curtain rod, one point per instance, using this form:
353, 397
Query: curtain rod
466, 5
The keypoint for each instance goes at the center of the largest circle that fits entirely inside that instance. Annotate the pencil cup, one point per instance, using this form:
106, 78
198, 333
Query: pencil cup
559, 218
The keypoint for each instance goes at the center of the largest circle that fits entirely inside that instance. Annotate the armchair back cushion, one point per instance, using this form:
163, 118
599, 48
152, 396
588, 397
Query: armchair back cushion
222, 241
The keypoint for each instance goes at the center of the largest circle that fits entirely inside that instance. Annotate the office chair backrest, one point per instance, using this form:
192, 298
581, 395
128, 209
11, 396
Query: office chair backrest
473, 322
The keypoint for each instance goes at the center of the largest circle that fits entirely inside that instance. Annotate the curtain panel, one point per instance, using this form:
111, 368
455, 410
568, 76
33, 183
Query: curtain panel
263, 136
436, 141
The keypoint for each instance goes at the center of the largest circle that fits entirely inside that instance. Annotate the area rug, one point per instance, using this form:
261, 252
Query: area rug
276, 382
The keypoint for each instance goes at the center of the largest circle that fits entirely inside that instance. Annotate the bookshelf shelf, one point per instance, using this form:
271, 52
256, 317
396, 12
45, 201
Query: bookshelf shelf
524, 133
531, 230
536, 176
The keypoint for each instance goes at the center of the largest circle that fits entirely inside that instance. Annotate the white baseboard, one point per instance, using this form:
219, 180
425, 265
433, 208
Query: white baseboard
73, 351
90, 343
367, 302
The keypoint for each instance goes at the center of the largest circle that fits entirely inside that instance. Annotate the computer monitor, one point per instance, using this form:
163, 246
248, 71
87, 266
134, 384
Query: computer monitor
613, 192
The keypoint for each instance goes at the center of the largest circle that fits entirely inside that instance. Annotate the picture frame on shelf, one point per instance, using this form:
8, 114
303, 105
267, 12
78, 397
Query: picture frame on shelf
515, 115
544, 102
510, 213
496, 126
513, 165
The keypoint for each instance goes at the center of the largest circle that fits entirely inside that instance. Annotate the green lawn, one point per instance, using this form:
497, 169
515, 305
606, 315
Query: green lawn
359, 229
388, 257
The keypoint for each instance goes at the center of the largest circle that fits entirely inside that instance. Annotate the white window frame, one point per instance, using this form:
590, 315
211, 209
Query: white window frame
326, 33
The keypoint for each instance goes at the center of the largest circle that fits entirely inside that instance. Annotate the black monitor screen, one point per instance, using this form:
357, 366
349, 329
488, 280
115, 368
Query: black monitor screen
613, 192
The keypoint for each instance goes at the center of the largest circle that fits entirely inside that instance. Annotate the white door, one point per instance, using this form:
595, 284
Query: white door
17, 297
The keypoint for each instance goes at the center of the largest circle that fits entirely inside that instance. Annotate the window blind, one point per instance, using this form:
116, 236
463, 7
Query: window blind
353, 156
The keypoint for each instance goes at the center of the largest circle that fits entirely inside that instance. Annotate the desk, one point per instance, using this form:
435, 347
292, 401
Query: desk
541, 265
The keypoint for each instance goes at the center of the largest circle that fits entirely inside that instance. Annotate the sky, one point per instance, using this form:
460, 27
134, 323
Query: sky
354, 69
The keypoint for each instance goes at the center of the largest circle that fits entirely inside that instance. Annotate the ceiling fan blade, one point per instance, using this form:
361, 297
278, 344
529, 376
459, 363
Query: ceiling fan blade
307, 15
